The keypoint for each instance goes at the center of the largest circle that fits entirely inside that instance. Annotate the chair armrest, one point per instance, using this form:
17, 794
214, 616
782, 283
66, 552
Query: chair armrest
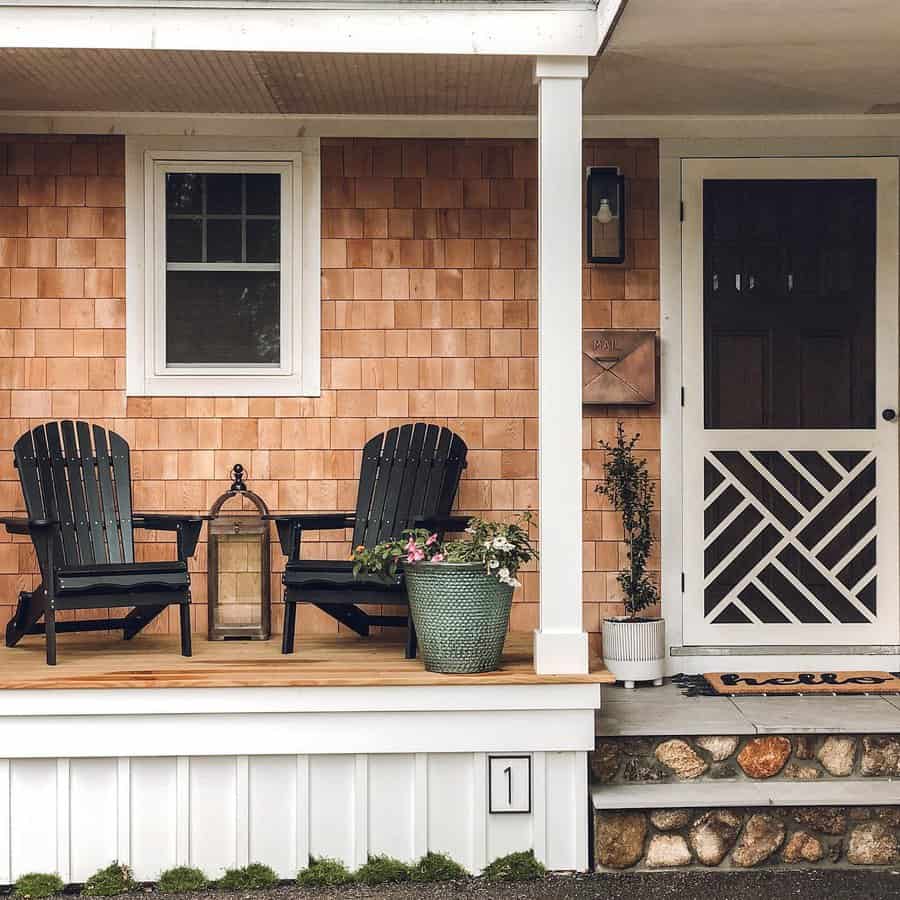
443, 523
291, 526
187, 527
26, 526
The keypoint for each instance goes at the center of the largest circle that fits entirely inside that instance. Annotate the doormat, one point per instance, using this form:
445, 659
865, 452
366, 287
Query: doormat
757, 684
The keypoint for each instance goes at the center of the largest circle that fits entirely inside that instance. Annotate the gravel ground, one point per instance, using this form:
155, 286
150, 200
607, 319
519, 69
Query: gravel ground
815, 884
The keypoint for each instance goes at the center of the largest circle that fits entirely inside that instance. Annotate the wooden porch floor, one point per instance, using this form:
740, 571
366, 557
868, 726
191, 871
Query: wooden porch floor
153, 661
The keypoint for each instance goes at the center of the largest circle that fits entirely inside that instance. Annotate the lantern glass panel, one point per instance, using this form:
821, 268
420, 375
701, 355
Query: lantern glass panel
605, 215
240, 580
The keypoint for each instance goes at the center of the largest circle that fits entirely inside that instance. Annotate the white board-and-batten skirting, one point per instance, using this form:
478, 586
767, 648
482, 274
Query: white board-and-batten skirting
218, 778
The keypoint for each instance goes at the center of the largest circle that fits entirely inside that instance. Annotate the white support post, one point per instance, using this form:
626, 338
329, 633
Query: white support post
560, 644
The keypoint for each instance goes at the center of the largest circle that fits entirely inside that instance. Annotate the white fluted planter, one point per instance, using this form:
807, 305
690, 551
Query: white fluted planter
635, 649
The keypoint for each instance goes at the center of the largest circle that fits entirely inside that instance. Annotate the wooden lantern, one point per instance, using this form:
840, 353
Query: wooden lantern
240, 605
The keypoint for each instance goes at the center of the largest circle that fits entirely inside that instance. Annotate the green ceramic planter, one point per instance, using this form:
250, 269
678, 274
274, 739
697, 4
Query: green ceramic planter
461, 616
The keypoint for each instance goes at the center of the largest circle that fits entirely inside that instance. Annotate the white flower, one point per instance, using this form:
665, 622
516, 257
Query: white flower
503, 573
493, 564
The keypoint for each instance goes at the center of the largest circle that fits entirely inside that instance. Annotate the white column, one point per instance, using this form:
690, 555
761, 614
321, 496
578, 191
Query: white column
560, 644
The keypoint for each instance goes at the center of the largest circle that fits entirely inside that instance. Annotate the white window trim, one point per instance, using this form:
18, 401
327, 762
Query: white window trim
147, 160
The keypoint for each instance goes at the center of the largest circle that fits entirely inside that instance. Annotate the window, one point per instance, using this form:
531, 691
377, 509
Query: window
230, 272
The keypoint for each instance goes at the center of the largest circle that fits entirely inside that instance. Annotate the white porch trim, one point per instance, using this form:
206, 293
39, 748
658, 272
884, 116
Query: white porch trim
560, 645
568, 29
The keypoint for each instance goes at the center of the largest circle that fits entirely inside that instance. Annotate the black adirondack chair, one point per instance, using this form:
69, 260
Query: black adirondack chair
78, 497
408, 478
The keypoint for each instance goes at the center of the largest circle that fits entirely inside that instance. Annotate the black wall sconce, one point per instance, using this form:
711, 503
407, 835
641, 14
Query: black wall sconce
605, 215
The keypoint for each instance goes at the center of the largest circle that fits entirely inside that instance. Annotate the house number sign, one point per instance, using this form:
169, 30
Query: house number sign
509, 784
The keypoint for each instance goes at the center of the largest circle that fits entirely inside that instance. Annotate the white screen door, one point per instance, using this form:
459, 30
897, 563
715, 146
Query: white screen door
790, 301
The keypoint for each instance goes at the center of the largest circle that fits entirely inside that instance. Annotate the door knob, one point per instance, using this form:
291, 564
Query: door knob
888, 415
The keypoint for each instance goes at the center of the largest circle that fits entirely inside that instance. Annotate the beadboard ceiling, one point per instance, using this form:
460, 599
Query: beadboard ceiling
666, 57
309, 83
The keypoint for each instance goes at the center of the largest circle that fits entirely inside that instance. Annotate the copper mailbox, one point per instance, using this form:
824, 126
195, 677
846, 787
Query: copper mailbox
619, 367
239, 598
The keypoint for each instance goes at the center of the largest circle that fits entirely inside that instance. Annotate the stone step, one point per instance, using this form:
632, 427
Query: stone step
843, 792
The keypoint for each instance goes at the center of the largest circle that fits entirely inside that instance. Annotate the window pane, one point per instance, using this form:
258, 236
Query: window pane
223, 194
263, 195
223, 240
789, 303
184, 193
224, 318
184, 240
263, 240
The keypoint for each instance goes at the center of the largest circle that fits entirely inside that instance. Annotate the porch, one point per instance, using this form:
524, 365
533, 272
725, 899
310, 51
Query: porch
153, 661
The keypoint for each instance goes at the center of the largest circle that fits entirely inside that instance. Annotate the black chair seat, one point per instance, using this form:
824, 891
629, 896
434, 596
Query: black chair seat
166, 575
335, 574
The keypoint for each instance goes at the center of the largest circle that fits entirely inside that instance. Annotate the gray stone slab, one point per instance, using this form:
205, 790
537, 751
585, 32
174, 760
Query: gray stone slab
820, 715
893, 699
775, 792
665, 711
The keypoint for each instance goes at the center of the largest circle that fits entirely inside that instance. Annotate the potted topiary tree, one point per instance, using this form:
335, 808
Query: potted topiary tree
634, 647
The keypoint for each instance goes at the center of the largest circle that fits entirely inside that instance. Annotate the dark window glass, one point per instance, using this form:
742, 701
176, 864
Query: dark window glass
263, 195
184, 240
223, 240
222, 318
224, 194
263, 240
184, 193
789, 303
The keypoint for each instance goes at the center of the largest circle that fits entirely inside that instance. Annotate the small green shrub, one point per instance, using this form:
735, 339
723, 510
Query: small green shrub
383, 870
254, 877
182, 880
437, 867
35, 885
114, 879
324, 873
519, 866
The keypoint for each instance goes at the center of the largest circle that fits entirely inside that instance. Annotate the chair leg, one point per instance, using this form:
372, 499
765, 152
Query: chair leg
290, 624
412, 642
50, 632
184, 615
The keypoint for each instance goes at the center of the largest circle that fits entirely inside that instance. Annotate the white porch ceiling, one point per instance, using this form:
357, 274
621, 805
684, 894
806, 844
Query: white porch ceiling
666, 57
744, 57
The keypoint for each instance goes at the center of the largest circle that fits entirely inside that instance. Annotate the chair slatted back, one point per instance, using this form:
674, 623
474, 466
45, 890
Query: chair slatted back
79, 475
407, 472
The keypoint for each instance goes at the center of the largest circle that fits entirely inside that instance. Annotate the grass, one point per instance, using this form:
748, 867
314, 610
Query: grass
182, 880
521, 866
35, 885
437, 867
324, 873
114, 879
383, 870
254, 877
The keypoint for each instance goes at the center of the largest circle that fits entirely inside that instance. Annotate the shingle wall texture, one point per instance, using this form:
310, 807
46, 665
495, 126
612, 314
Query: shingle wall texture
429, 312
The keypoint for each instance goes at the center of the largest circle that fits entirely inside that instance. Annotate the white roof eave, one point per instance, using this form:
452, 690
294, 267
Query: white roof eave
538, 28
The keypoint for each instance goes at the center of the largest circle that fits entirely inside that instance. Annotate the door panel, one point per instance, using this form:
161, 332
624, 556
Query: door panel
790, 354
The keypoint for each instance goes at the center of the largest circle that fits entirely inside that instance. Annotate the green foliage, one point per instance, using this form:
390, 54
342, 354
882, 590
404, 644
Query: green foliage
324, 873
182, 880
383, 870
254, 877
628, 488
114, 879
437, 867
35, 885
520, 866
501, 547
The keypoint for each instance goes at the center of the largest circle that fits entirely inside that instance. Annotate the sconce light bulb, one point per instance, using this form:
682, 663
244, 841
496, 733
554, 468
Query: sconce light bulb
604, 214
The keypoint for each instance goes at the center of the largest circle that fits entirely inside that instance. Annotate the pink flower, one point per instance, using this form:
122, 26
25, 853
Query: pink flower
431, 540
413, 553
438, 557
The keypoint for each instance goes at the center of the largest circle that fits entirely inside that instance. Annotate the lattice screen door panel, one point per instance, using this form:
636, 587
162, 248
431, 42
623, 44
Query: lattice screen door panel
791, 380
